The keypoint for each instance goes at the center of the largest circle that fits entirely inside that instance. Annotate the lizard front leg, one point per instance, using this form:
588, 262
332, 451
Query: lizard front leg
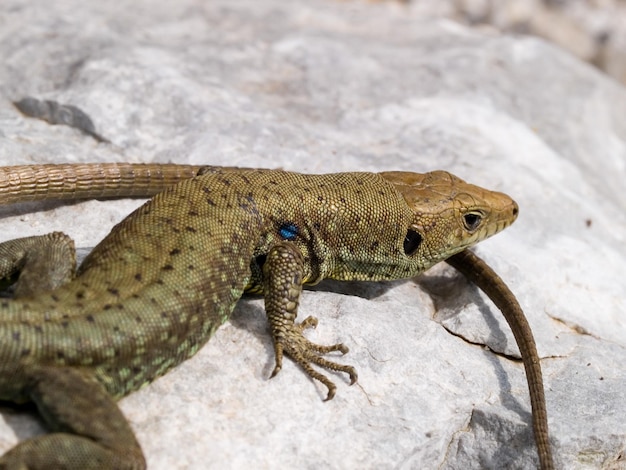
89, 430
283, 277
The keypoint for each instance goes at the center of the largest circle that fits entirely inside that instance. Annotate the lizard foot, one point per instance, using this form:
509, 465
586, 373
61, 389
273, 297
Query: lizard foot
290, 340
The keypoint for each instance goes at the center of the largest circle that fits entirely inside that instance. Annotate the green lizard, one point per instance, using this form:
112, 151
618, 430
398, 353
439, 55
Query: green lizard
157, 287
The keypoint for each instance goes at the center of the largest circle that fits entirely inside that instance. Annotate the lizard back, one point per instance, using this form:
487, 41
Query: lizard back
156, 288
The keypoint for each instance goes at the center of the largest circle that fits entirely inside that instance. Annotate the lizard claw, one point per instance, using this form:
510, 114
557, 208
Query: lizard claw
292, 342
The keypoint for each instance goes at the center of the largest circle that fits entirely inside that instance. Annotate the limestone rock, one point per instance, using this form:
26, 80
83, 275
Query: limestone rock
323, 86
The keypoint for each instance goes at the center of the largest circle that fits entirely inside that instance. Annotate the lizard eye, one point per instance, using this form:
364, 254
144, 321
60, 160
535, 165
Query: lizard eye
412, 242
472, 221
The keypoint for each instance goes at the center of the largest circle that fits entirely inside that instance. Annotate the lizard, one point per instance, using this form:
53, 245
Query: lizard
156, 288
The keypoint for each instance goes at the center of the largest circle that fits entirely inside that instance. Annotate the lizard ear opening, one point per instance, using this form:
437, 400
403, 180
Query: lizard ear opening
412, 242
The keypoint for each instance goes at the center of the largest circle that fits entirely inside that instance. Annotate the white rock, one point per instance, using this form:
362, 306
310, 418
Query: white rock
323, 86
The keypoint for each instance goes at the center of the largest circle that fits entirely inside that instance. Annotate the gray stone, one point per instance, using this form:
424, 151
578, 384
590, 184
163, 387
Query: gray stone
323, 86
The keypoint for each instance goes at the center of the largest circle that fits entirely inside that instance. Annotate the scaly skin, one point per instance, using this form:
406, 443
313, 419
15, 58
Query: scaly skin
478, 272
156, 288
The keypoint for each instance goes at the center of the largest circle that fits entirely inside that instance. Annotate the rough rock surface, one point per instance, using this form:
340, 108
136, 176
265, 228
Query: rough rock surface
593, 30
323, 86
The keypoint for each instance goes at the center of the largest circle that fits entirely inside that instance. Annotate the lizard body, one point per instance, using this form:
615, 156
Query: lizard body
156, 288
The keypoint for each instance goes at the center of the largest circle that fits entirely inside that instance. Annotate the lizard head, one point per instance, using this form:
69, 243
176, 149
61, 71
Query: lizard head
449, 214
